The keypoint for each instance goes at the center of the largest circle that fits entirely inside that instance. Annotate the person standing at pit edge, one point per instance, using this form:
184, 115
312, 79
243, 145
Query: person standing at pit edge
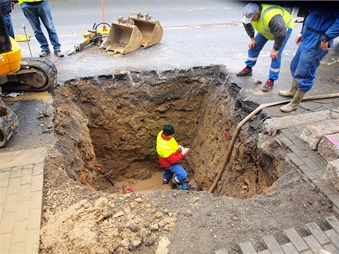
272, 22
169, 154
36, 11
6, 9
320, 27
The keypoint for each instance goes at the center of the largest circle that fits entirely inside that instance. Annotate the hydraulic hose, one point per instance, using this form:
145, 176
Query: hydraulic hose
254, 112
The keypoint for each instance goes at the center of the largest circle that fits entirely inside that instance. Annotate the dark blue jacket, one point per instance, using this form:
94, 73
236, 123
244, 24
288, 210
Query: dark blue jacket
321, 22
6, 6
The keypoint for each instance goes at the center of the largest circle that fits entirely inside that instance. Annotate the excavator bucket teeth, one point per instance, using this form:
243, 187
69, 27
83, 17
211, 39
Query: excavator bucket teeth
122, 38
151, 31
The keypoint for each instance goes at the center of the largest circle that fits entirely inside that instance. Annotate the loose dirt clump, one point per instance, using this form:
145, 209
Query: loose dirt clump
111, 123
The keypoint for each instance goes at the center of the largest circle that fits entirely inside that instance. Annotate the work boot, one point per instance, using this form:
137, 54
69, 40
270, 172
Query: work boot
58, 53
44, 53
293, 105
190, 186
175, 184
291, 92
268, 86
165, 181
244, 72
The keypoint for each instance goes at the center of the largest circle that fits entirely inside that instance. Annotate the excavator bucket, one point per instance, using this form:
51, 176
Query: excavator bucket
123, 37
151, 31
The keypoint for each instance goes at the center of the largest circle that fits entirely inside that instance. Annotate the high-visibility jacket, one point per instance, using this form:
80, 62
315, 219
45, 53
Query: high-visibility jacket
29, 1
168, 150
267, 13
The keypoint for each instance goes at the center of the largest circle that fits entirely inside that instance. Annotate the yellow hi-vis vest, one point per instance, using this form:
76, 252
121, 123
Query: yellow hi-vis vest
267, 13
29, 1
166, 147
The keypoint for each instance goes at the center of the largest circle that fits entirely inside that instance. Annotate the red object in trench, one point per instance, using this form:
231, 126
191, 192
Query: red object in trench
225, 135
128, 190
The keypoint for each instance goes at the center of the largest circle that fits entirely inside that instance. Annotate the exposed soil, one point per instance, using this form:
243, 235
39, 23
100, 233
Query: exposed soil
111, 123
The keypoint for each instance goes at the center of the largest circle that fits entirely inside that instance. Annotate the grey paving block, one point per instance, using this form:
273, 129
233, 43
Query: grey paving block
321, 164
288, 134
334, 199
331, 248
272, 244
308, 172
312, 155
323, 187
301, 144
221, 251
247, 248
293, 158
295, 149
311, 164
333, 236
296, 132
284, 140
307, 252
316, 231
320, 173
289, 248
265, 252
295, 239
333, 222
314, 245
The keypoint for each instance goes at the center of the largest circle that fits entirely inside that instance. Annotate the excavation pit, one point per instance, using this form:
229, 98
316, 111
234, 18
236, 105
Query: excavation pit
107, 128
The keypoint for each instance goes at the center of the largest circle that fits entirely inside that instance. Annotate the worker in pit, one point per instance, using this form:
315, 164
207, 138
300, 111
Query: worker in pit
169, 154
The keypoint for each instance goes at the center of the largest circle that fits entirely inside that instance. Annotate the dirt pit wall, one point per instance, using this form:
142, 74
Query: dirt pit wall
111, 123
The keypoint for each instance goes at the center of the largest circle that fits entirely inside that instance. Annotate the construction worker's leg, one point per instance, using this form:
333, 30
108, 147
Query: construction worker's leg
180, 174
167, 176
9, 25
304, 75
46, 18
295, 61
31, 14
275, 64
253, 54
305, 72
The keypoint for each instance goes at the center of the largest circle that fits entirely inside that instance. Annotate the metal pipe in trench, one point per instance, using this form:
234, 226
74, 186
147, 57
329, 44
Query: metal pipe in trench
254, 112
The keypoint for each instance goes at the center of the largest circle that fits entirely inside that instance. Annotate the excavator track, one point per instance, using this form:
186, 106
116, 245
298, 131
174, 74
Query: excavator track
35, 75
8, 123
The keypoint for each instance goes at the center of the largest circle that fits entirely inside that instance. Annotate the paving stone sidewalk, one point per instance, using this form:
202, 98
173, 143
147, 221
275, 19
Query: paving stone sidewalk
21, 183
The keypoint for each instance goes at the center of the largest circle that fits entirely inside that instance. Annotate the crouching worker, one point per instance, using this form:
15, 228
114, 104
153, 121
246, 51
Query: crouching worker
169, 154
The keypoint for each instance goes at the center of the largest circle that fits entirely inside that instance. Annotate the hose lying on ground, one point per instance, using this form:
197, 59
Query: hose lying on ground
254, 112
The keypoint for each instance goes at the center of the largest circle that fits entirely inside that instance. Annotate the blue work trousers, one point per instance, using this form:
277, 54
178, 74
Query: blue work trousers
9, 25
41, 12
180, 172
253, 54
305, 63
